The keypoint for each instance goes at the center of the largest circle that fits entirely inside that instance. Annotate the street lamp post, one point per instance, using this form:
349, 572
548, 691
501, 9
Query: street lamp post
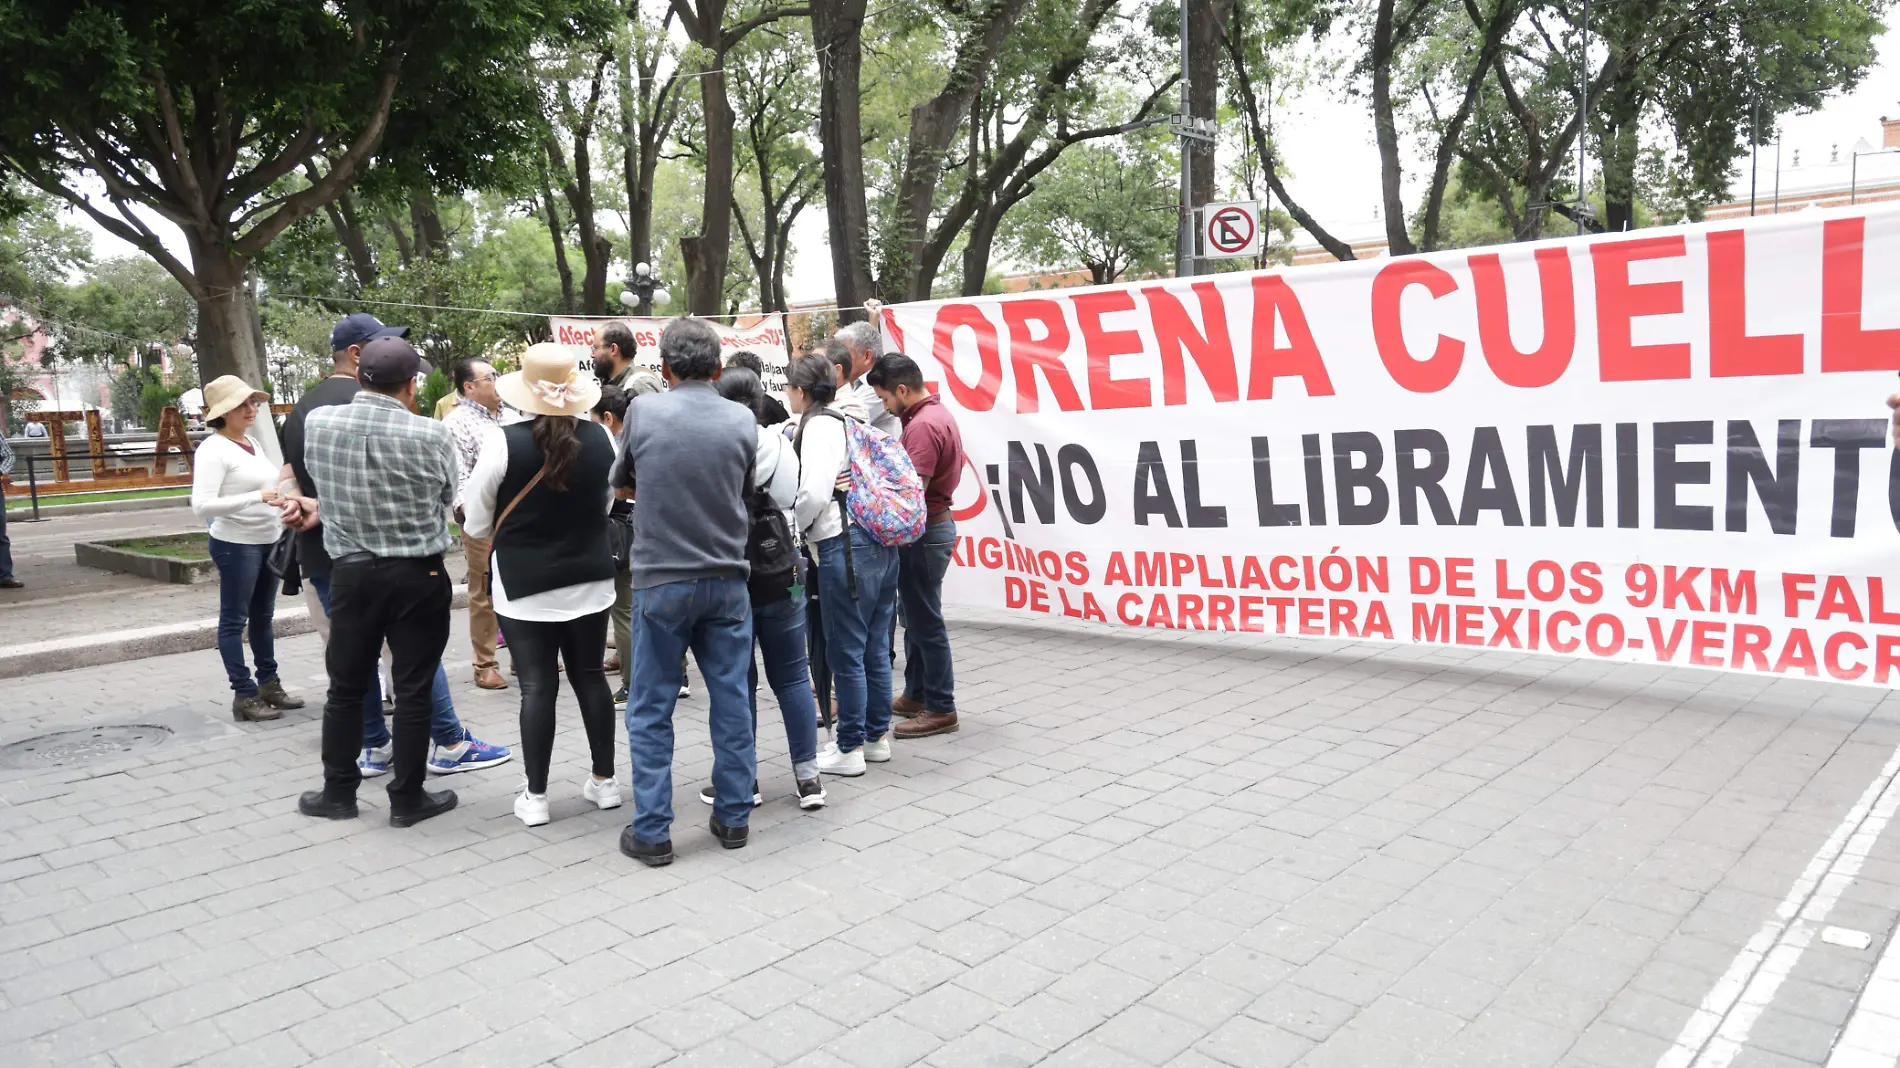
643, 289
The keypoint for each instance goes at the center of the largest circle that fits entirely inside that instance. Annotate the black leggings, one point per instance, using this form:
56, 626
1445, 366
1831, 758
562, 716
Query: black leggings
582, 645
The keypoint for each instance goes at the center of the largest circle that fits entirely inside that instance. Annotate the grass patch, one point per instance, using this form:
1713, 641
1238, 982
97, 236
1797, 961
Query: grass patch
15, 504
177, 546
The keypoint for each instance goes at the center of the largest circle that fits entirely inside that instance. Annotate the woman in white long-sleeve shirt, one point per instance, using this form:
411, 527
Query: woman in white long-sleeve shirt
857, 614
552, 570
234, 485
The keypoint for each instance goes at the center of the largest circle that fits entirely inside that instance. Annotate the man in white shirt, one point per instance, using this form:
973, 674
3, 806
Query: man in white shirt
854, 348
477, 411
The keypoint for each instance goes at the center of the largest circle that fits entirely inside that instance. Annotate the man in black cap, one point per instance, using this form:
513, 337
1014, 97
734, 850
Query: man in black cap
385, 478
455, 748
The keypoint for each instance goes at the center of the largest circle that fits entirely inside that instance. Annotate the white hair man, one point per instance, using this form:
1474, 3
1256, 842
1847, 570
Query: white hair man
853, 350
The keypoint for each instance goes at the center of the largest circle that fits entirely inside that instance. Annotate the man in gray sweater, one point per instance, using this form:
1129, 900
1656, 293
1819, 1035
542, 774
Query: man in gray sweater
687, 454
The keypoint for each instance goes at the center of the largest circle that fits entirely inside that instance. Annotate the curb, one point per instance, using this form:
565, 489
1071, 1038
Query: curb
54, 511
113, 647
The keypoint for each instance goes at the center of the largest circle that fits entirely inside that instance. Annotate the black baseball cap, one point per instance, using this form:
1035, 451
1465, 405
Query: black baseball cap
361, 329
388, 361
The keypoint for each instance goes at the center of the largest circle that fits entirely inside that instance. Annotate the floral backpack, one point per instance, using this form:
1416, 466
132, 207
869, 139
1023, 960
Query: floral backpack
886, 496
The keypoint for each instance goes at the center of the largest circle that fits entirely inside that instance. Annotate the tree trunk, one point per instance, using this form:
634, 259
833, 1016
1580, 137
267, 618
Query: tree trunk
783, 253
1263, 143
557, 232
977, 249
1622, 113
837, 31
1491, 33
707, 261
1386, 132
427, 224
1207, 22
1619, 177
639, 182
597, 251
349, 231
933, 126
227, 316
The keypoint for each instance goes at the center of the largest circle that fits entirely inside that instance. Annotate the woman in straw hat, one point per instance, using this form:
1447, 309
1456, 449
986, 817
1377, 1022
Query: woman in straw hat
234, 485
539, 492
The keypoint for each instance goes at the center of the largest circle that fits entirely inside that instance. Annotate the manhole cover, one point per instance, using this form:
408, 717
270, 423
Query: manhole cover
88, 746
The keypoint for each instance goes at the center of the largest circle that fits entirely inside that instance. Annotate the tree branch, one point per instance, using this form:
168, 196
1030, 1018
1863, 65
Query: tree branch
197, 202
737, 33
1339, 250
342, 172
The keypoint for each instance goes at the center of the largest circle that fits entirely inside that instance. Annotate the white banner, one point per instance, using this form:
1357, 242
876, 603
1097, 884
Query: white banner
764, 335
1668, 446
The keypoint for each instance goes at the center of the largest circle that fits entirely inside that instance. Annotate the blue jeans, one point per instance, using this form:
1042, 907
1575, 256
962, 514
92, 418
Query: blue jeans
713, 618
247, 593
858, 633
780, 630
929, 678
444, 726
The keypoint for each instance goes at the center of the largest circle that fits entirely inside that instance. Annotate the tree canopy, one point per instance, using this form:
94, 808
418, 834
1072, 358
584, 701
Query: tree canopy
472, 166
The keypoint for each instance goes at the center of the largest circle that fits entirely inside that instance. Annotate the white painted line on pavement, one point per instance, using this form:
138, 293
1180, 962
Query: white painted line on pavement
80, 641
1872, 1037
1717, 1030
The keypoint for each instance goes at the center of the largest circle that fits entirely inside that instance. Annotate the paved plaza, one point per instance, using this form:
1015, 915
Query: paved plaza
1142, 849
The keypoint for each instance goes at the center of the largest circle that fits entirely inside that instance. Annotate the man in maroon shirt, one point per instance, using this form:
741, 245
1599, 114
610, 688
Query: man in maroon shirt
928, 705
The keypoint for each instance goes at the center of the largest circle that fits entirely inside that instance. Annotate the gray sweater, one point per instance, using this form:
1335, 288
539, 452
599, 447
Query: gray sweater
688, 455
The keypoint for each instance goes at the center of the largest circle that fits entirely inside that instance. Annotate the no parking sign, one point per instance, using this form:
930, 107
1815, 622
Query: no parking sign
1230, 230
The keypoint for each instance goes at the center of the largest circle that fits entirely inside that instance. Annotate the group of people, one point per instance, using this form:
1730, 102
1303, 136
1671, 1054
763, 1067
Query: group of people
690, 513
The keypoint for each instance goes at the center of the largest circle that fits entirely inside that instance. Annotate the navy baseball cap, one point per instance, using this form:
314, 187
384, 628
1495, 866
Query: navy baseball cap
388, 361
361, 329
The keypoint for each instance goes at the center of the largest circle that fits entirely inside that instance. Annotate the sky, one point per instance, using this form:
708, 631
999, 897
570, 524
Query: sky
1332, 166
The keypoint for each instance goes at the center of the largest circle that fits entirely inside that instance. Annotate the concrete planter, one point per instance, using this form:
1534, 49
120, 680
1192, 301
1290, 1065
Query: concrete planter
112, 556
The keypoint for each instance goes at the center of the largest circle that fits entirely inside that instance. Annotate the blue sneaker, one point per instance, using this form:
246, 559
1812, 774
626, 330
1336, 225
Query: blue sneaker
471, 755
373, 762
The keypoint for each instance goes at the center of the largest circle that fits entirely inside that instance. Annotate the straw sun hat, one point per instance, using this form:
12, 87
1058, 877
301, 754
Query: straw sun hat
550, 382
227, 392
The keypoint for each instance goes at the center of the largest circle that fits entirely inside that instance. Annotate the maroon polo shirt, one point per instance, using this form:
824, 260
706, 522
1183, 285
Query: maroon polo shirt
936, 450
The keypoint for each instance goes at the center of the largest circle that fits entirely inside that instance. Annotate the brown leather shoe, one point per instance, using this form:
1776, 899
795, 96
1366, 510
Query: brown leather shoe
925, 724
490, 679
612, 665
253, 709
904, 708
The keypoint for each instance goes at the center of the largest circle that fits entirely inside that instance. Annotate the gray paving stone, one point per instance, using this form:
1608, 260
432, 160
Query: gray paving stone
1247, 1043
1156, 838
986, 1047
914, 970
888, 1043
1147, 1035
788, 1033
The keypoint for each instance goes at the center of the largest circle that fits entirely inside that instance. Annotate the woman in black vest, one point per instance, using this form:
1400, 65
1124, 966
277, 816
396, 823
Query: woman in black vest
539, 491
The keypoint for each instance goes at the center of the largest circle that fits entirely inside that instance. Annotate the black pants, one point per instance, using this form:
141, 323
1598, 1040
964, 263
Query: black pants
406, 603
582, 645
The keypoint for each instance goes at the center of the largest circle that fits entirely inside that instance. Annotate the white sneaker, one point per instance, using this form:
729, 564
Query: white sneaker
605, 794
374, 762
532, 809
686, 689
878, 751
847, 765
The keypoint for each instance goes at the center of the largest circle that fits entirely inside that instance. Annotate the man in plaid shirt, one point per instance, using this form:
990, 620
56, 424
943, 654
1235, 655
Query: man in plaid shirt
385, 479
7, 581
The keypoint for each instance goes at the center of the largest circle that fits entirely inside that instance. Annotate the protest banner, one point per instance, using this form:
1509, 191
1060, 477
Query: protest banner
763, 334
1668, 446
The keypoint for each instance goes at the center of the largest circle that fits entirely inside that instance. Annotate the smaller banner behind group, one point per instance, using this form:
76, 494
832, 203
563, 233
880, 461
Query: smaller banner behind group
764, 335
